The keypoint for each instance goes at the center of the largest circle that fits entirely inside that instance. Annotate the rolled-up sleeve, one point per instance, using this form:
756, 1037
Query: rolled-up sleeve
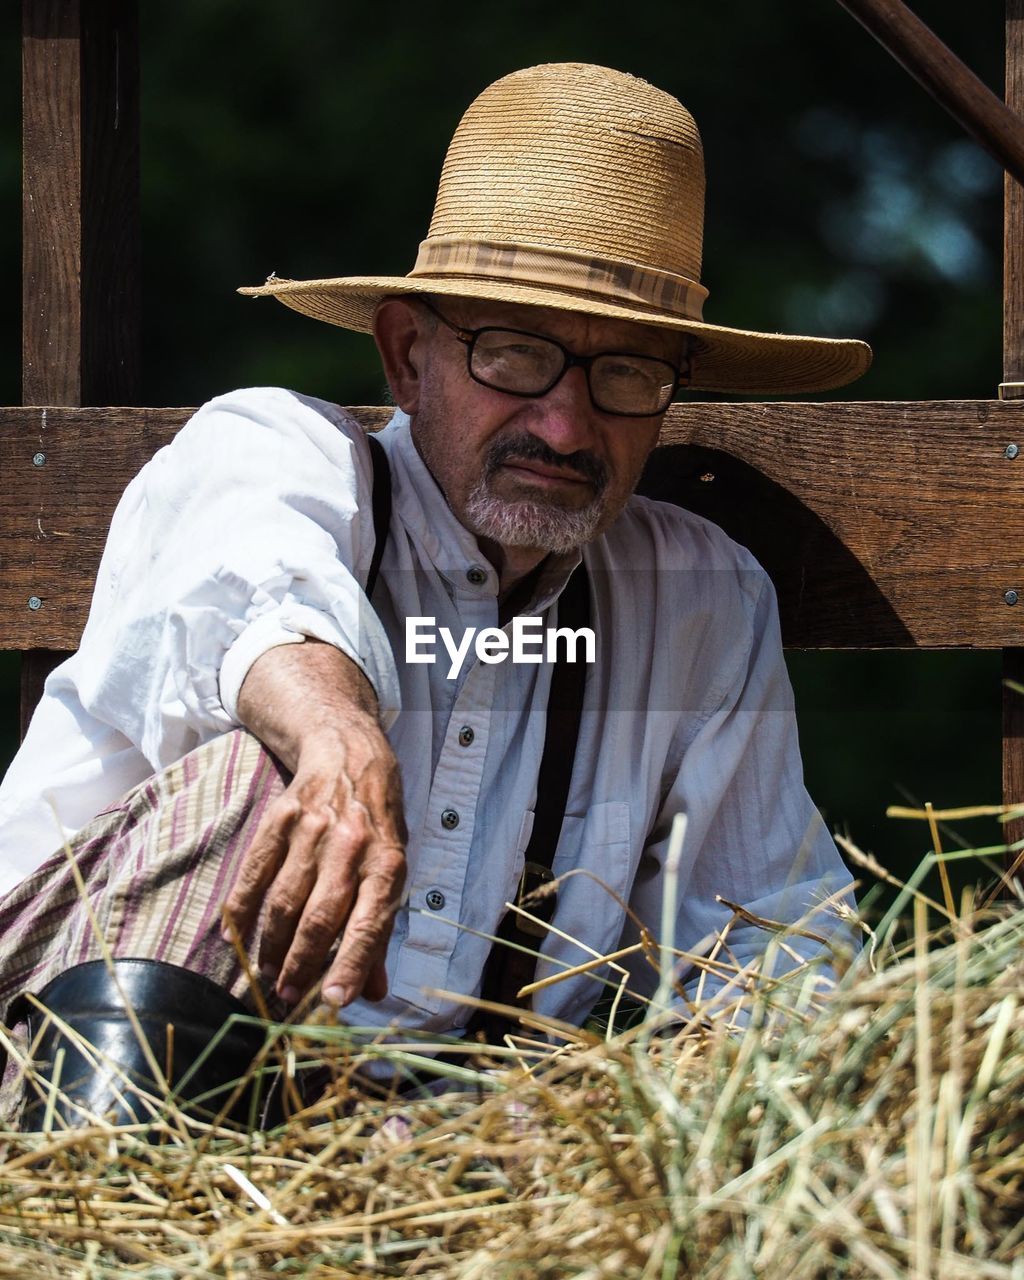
252, 529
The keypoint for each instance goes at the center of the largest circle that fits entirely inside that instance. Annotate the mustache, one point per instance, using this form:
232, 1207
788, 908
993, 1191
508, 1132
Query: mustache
528, 447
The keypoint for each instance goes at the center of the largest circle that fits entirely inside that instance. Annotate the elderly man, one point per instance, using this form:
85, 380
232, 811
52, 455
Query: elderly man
253, 577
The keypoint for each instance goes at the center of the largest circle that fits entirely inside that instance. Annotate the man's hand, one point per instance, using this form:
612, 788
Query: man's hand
328, 857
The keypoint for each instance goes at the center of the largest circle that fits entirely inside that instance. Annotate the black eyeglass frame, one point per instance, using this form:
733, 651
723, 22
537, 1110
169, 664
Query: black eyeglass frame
469, 338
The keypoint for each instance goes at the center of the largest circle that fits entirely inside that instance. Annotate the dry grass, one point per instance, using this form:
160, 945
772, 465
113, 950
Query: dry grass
875, 1133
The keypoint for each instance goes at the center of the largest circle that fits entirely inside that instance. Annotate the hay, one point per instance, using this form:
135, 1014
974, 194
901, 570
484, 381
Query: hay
876, 1133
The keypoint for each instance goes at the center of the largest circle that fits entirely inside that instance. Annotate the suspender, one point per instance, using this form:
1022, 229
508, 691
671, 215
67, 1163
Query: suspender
381, 508
508, 969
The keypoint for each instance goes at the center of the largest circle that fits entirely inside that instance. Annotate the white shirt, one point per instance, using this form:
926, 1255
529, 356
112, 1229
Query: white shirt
254, 528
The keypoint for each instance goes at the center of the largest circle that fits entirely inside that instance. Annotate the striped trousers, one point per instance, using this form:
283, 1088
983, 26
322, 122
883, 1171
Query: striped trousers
153, 872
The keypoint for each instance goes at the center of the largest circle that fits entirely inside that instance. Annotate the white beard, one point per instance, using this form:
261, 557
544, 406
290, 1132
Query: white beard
522, 523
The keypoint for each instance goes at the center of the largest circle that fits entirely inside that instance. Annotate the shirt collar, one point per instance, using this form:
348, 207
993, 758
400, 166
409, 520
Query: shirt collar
444, 542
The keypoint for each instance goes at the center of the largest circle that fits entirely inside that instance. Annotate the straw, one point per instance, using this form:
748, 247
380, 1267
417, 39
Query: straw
873, 1131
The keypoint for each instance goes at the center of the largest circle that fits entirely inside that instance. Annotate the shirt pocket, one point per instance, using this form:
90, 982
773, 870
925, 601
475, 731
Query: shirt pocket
589, 917
598, 847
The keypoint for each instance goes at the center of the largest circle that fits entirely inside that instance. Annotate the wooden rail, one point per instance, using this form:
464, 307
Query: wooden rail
883, 525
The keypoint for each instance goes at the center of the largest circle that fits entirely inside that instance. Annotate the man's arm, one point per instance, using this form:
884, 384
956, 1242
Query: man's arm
328, 856
753, 836
238, 543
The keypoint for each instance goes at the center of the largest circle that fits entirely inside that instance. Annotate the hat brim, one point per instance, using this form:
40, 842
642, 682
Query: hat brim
736, 361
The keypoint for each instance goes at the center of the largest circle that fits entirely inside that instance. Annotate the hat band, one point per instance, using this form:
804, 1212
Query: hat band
578, 273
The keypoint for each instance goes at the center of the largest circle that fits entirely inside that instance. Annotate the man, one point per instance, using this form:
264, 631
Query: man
553, 312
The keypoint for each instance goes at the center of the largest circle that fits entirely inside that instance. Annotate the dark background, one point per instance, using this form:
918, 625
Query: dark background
306, 139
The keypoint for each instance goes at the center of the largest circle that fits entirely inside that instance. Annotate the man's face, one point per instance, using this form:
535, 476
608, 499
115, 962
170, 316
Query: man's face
547, 472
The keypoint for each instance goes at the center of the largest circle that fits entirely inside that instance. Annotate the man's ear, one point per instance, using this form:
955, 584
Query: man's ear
400, 334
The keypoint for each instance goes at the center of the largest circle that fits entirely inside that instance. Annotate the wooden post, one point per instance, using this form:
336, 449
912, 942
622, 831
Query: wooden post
80, 213
1012, 388
992, 122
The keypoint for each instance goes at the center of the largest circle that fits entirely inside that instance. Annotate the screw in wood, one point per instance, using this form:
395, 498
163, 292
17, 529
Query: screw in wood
1010, 596
1011, 451
34, 602
38, 459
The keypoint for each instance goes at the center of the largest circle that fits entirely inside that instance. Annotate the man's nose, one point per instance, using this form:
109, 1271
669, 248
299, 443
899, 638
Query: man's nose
564, 417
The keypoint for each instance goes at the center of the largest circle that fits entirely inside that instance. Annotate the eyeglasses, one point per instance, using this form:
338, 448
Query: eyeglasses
623, 383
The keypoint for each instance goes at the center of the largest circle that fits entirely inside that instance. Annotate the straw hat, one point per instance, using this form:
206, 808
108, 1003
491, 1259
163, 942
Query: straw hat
582, 188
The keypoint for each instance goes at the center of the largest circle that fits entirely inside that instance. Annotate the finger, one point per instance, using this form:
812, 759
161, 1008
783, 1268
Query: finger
309, 899
306, 911
315, 934
376, 984
365, 940
259, 865
311, 938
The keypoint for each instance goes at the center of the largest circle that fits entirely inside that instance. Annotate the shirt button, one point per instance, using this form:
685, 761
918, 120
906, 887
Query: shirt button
476, 575
449, 819
466, 736
435, 899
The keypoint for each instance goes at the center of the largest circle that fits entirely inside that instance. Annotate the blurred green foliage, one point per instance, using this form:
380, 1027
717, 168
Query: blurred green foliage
306, 139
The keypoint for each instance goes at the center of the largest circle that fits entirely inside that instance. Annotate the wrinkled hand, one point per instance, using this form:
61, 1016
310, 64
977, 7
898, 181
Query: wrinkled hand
328, 856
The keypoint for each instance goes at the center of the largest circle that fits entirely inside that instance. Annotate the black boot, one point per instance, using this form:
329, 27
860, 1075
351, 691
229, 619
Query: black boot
89, 1001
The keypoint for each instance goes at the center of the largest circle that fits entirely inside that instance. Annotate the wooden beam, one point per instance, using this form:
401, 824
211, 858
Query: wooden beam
1012, 388
80, 213
994, 124
80, 202
882, 525
1013, 220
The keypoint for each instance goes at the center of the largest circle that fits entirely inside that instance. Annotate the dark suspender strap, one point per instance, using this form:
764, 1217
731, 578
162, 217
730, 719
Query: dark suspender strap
381, 508
508, 969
